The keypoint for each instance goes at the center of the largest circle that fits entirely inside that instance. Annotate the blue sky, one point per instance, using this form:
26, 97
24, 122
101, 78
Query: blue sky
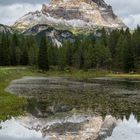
11, 10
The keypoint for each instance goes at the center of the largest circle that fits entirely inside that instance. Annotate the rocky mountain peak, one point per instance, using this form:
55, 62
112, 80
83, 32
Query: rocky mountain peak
73, 15
98, 2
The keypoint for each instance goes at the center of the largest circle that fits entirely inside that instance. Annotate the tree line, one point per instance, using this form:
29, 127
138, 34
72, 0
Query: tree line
118, 51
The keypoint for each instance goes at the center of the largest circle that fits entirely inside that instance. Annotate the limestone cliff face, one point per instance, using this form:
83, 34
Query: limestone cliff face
72, 14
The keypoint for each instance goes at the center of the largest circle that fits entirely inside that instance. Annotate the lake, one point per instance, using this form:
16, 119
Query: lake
60, 108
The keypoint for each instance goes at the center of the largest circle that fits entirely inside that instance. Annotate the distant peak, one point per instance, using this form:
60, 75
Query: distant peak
73, 14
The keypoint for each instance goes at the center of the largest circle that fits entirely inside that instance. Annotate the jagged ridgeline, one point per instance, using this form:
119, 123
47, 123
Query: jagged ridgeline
61, 20
73, 15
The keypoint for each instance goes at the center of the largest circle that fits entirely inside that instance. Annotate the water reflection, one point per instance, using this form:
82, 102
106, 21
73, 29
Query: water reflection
91, 127
74, 127
127, 130
60, 98
15, 130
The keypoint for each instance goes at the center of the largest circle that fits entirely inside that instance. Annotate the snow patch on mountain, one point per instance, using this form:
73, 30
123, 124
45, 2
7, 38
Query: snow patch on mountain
86, 14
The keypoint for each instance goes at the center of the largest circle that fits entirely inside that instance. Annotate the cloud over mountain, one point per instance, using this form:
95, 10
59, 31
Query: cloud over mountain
128, 10
10, 10
9, 2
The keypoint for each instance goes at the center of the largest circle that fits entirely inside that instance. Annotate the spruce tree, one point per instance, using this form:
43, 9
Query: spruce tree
69, 47
118, 56
88, 57
62, 58
43, 62
32, 50
136, 48
102, 55
15, 51
24, 53
52, 54
5, 50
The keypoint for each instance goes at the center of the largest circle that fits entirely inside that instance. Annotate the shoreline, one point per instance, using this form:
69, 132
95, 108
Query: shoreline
11, 105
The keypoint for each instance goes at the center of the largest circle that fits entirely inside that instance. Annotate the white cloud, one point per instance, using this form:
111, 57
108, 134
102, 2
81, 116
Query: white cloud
132, 20
128, 10
10, 13
9, 2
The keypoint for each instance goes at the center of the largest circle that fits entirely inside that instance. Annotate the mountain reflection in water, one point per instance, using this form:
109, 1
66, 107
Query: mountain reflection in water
105, 100
127, 130
15, 129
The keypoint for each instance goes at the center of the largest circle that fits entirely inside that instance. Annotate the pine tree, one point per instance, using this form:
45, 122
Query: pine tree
15, 51
43, 62
88, 57
62, 58
69, 47
104, 37
124, 54
129, 53
1, 53
52, 54
118, 62
102, 55
5, 50
136, 46
24, 53
32, 50
78, 54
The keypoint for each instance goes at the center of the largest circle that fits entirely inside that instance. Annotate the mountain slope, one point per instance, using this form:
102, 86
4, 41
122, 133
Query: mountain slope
5, 29
58, 37
74, 15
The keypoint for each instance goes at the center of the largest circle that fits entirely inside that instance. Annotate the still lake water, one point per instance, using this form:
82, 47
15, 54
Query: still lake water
59, 108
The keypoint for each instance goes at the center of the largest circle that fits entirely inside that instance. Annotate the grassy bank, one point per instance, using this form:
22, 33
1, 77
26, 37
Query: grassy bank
77, 74
11, 105
127, 76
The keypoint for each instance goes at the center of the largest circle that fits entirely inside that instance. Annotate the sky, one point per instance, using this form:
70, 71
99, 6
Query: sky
11, 10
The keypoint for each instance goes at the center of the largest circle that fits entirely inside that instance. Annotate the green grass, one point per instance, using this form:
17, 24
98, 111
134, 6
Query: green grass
128, 76
79, 75
11, 105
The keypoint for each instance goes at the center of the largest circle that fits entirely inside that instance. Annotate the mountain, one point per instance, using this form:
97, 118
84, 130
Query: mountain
60, 20
72, 15
58, 37
5, 29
